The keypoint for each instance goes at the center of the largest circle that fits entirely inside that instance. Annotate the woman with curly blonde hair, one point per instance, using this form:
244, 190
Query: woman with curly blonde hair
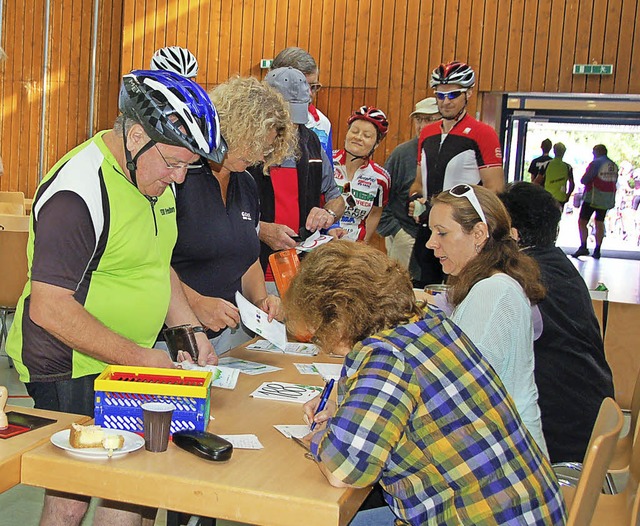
492, 288
419, 409
217, 250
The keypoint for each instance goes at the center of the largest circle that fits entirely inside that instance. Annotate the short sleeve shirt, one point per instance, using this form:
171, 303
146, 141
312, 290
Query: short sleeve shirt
369, 187
458, 156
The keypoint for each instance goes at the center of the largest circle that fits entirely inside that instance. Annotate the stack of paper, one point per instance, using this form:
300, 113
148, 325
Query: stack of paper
246, 366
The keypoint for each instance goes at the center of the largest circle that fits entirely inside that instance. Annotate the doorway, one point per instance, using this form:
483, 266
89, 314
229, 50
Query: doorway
580, 122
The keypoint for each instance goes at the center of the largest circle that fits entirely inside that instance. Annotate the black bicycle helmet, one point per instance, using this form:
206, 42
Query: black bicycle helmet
453, 73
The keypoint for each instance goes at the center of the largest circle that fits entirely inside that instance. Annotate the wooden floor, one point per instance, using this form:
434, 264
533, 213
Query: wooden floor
621, 276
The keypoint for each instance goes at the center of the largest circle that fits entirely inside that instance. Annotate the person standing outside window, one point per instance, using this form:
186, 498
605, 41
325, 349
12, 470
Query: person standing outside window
398, 229
458, 149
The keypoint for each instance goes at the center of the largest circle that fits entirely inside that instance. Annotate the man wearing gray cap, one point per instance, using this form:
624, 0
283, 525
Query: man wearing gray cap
291, 194
395, 225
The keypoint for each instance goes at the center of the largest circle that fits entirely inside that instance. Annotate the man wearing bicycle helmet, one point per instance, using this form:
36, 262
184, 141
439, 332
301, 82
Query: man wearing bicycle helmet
457, 149
103, 227
177, 59
364, 184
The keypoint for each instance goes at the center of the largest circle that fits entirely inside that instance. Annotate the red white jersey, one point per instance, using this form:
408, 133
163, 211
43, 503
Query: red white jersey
369, 187
457, 157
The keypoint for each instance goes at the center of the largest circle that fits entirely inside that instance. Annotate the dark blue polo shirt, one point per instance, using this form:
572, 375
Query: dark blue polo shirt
216, 244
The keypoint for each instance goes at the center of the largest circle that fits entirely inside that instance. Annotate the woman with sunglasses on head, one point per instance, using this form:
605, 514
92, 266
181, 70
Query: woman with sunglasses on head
218, 211
492, 288
365, 185
419, 409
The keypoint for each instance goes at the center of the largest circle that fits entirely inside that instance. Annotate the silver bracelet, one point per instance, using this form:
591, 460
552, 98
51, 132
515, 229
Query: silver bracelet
335, 217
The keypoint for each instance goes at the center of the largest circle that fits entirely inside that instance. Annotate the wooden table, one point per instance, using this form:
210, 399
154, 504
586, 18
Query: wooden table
274, 486
12, 449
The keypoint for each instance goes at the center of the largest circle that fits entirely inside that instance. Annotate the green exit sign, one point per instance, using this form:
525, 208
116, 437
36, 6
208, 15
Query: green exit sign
593, 69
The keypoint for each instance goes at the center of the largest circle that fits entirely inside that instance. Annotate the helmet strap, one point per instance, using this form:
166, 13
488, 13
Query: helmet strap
132, 162
355, 157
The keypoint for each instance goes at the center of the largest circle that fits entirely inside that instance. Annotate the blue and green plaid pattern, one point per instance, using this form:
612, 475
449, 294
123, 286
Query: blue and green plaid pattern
421, 411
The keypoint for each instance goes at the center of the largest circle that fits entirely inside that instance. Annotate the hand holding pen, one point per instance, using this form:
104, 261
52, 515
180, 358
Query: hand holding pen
324, 398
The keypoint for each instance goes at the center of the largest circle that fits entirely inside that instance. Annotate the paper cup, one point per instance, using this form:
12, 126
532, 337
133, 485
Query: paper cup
157, 424
181, 338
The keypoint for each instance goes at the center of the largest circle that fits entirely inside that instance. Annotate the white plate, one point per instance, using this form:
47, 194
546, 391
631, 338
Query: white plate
132, 442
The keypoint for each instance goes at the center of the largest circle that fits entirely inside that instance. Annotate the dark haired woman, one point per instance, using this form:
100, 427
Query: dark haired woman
492, 288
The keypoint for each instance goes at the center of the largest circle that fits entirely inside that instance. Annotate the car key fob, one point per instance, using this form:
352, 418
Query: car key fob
203, 444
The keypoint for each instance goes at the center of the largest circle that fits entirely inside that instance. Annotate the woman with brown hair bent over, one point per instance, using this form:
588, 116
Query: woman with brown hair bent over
493, 285
419, 409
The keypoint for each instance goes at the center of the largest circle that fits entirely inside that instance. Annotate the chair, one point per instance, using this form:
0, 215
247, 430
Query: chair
12, 203
582, 500
620, 346
622, 456
13, 262
11, 208
18, 223
624, 507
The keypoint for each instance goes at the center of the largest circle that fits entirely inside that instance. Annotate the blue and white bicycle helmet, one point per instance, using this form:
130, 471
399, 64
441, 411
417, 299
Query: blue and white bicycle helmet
173, 110
177, 59
453, 73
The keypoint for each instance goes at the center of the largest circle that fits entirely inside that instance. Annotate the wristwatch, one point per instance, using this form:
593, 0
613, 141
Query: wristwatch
198, 328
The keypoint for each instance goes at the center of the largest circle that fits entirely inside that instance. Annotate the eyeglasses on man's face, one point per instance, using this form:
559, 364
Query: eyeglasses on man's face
180, 165
451, 95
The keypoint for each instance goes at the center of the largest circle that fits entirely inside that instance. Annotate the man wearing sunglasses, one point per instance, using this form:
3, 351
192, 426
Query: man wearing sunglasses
455, 150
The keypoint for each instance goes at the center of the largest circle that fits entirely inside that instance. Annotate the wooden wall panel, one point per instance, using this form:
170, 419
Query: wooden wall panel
377, 52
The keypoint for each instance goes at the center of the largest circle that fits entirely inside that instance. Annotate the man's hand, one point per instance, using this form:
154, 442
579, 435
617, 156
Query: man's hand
278, 237
206, 353
319, 218
412, 208
216, 313
155, 358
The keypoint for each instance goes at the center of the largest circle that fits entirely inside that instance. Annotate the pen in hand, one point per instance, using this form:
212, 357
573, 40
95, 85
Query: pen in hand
324, 397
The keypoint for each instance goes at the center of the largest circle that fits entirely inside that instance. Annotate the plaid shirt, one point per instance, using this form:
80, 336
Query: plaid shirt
421, 411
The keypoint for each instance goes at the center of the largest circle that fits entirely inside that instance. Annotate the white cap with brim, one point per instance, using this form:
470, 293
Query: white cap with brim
427, 106
293, 86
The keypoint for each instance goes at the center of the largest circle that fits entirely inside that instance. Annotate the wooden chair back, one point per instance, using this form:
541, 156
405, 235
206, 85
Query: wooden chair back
594, 468
19, 223
12, 203
13, 262
620, 347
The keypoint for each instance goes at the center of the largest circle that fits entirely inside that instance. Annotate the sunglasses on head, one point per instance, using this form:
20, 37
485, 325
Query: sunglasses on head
465, 190
451, 95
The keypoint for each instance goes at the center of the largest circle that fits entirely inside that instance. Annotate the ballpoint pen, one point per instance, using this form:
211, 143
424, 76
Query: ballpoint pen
324, 397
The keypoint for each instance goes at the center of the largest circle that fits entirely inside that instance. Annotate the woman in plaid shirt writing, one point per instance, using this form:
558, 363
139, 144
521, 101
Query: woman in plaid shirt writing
419, 409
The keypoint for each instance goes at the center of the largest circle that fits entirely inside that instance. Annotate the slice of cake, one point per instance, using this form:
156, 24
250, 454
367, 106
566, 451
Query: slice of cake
85, 436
